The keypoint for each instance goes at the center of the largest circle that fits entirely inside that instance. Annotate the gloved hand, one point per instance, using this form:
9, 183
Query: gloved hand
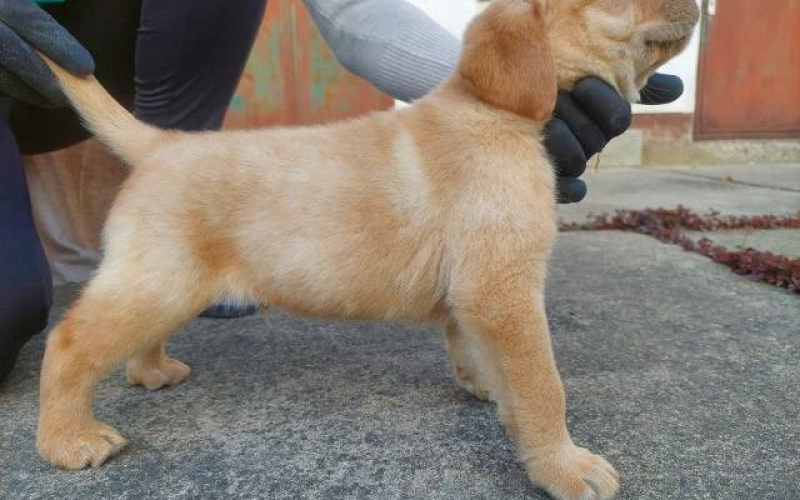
587, 118
24, 27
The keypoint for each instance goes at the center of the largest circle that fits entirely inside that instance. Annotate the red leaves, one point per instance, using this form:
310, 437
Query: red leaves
755, 265
666, 225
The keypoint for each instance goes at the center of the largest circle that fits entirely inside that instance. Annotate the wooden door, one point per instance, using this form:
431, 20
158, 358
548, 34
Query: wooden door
292, 78
749, 79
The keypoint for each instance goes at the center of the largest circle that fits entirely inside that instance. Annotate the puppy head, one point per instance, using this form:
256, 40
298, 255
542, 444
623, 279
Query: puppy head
621, 41
518, 53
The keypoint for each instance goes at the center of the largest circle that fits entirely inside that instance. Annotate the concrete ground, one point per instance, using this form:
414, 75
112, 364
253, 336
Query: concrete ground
683, 375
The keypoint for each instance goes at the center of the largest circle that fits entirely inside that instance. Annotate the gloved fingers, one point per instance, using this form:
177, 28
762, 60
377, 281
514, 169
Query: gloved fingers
13, 86
662, 89
570, 190
565, 150
46, 35
604, 106
19, 59
591, 137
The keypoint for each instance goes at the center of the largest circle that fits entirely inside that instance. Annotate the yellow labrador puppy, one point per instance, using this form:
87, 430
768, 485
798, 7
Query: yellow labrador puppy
439, 212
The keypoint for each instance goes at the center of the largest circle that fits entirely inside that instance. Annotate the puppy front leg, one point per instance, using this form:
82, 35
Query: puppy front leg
464, 362
510, 325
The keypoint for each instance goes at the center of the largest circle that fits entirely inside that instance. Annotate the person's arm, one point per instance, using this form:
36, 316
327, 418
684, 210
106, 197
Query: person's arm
390, 43
399, 49
24, 29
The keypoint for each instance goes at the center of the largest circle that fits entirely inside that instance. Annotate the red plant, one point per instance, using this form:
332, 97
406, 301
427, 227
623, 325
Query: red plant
666, 225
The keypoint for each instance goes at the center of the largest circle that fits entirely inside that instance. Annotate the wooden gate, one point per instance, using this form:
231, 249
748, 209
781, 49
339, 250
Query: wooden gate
749, 79
293, 78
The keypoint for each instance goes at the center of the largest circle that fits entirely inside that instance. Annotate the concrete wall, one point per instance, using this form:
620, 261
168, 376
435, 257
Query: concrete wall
455, 14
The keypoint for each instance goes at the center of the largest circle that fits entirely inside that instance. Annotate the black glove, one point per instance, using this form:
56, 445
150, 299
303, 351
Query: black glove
23, 75
587, 118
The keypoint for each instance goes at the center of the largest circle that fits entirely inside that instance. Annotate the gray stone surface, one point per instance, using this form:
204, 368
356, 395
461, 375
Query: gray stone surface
785, 177
610, 189
685, 376
624, 151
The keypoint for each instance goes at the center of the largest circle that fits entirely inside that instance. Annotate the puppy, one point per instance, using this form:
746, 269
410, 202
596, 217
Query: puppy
440, 212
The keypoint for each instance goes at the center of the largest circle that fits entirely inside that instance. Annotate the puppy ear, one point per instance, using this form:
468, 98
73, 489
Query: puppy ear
506, 59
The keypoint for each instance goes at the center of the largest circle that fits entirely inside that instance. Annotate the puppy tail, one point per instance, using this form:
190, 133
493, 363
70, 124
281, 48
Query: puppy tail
107, 119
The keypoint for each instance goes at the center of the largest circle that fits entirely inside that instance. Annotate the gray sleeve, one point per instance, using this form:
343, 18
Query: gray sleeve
389, 43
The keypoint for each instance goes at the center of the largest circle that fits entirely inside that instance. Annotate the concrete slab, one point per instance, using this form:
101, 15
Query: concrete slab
684, 375
636, 189
624, 151
780, 242
782, 177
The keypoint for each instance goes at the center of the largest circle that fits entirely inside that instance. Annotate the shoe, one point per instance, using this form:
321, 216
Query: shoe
10, 346
228, 311
9, 350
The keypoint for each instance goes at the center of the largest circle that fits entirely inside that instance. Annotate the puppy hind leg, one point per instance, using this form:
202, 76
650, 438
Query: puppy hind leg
154, 369
118, 316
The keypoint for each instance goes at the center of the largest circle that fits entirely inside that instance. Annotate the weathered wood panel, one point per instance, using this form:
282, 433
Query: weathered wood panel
293, 78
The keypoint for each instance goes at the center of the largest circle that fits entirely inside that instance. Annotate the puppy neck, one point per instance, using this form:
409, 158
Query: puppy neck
457, 94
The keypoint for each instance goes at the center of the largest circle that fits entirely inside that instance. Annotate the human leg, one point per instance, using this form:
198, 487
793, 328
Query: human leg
25, 285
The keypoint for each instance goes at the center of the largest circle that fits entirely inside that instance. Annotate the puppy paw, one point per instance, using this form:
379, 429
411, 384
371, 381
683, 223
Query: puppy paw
574, 473
155, 374
78, 448
470, 383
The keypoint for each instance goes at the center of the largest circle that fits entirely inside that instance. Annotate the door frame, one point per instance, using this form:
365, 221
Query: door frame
699, 133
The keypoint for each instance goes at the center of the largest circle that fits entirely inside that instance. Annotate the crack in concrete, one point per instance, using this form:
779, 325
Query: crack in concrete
732, 180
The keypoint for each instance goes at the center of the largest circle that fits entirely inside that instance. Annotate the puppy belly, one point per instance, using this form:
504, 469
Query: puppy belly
344, 302
352, 278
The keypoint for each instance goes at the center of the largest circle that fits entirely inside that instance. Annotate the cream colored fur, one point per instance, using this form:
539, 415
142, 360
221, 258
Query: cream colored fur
440, 212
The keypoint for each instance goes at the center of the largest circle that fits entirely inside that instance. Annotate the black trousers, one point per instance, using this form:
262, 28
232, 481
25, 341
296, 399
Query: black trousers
176, 63
25, 284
